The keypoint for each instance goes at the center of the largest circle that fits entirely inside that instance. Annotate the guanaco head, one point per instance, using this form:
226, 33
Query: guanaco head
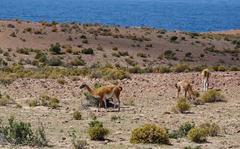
83, 85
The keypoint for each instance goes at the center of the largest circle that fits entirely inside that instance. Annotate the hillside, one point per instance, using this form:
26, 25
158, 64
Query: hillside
121, 46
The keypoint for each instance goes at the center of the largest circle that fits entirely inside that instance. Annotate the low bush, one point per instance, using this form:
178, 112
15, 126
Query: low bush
149, 133
87, 51
213, 129
49, 101
198, 135
182, 131
32, 102
182, 67
4, 100
55, 48
21, 133
212, 95
96, 130
77, 115
182, 106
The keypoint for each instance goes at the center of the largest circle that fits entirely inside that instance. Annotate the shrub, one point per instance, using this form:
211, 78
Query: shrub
109, 73
61, 81
173, 38
188, 54
96, 130
182, 67
234, 68
41, 56
162, 69
189, 147
123, 53
182, 106
55, 61
77, 115
97, 133
169, 54
143, 55
131, 62
87, 51
13, 34
32, 102
78, 61
212, 128
198, 135
49, 101
55, 48
149, 133
85, 41
6, 100
221, 68
212, 95
21, 133
182, 131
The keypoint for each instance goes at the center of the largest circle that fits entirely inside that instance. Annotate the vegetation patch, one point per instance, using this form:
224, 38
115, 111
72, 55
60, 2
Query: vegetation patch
149, 133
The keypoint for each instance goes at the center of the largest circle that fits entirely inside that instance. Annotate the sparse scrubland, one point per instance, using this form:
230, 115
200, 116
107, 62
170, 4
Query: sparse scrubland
44, 63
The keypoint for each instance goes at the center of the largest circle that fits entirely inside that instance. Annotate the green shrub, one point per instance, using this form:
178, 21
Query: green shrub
149, 133
115, 117
182, 67
55, 48
61, 81
212, 128
49, 101
162, 69
173, 38
87, 51
123, 53
78, 61
97, 133
55, 61
182, 106
212, 95
109, 73
234, 68
143, 55
21, 133
4, 100
77, 115
188, 54
182, 131
32, 102
198, 135
189, 147
221, 68
96, 130
131, 62
169, 54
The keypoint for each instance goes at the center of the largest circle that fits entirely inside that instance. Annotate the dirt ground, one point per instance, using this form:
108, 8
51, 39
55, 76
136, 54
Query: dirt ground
153, 96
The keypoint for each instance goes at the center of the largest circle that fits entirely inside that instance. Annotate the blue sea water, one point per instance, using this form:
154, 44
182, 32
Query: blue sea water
187, 15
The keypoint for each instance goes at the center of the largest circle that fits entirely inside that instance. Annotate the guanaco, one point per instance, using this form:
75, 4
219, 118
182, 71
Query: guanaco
105, 92
205, 79
184, 85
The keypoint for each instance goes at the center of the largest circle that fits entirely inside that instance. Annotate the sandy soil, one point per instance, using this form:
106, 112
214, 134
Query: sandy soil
153, 95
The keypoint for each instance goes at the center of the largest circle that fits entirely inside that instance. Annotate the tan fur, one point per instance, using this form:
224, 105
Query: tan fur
184, 85
205, 79
105, 92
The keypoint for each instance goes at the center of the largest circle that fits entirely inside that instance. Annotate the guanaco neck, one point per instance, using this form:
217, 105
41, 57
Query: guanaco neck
90, 90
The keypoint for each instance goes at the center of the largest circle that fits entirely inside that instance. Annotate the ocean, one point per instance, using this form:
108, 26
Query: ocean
186, 15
